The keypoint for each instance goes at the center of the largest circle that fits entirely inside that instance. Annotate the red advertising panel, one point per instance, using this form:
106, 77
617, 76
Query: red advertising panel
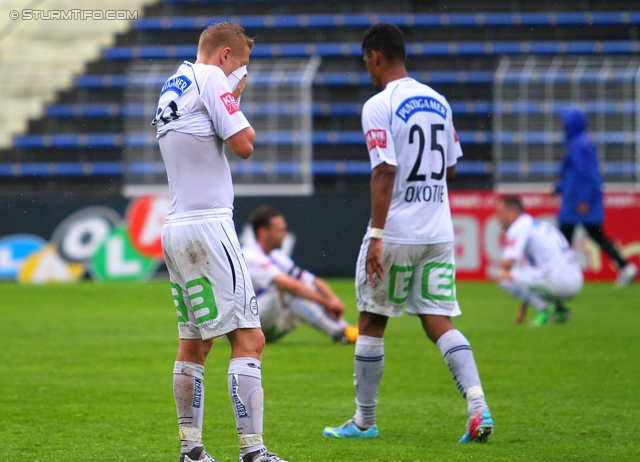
145, 218
479, 237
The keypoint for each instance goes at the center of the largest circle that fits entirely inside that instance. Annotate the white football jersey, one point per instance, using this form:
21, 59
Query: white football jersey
264, 268
198, 99
196, 103
409, 125
537, 243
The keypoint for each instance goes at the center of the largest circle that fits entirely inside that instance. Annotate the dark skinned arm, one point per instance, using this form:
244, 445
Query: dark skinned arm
382, 182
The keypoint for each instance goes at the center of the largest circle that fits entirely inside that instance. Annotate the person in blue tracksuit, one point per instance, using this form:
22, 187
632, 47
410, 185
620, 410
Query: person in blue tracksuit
580, 186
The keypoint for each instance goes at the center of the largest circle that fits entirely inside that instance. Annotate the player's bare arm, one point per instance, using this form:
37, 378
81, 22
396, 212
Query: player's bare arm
336, 306
286, 283
451, 172
382, 181
241, 143
504, 272
522, 313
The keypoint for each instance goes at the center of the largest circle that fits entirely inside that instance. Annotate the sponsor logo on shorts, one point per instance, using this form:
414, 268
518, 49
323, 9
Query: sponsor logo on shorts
209, 324
197, 393
241, 409
230, 103
376, 138
253, 306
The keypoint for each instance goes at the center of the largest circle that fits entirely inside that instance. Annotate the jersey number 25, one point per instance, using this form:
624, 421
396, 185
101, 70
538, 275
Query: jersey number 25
435, 146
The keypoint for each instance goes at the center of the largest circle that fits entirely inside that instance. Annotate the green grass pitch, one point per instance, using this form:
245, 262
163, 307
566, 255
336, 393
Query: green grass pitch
86, 375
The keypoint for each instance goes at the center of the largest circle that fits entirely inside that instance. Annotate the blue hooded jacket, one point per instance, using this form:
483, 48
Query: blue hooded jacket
580, 179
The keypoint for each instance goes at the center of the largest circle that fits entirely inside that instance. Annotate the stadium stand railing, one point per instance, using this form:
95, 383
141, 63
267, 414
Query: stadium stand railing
531, 91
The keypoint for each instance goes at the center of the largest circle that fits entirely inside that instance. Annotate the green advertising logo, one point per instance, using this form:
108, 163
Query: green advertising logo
117, 260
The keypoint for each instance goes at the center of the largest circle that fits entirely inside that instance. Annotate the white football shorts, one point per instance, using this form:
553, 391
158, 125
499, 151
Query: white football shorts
418, 279
276, 318
210, 283
563, 284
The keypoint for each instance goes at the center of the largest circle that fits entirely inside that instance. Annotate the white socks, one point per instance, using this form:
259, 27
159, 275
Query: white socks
188, 391
369, 364
531, 298
245, 391
314, 314
247, 396
456, 351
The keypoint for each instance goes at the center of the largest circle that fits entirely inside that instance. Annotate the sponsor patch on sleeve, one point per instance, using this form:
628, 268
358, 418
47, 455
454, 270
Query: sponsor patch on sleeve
230, 103
376, 138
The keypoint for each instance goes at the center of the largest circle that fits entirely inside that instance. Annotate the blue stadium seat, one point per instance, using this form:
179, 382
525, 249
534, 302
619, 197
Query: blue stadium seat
292, 50
103, 140
319, 168
590, 107
402, 20
322, 78
471, 58
325, 109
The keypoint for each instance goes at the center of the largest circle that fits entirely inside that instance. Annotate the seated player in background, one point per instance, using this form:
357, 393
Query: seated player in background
286, 293
538, 266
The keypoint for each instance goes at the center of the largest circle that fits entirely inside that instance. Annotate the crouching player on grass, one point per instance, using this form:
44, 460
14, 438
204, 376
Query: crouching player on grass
538, 266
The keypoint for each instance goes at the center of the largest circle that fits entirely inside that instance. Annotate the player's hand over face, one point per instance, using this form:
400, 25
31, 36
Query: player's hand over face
238, 91
374, 260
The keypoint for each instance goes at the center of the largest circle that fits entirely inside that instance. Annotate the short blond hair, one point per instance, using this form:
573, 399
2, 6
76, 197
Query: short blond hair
223, 34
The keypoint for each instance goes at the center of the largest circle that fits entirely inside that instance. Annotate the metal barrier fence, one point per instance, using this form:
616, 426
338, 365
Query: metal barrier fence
529, 93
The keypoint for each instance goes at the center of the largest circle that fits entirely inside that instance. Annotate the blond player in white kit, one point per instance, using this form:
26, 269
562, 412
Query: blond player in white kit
538, 266
197, 116
406, 261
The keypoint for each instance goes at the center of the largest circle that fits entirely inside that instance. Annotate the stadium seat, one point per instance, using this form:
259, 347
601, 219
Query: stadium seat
84, 129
